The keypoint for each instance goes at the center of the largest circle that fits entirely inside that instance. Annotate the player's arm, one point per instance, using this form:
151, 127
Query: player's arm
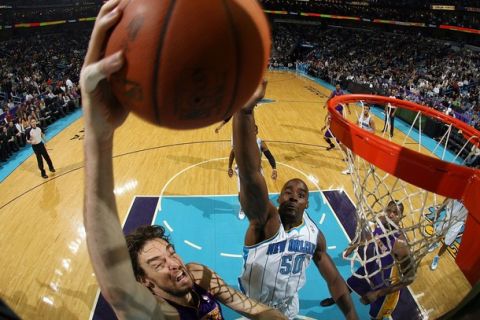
231, 157
105, 241
262, 215
234, 299
336, 284
405, 264
271, 159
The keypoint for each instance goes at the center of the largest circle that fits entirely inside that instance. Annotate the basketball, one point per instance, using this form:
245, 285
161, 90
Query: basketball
189, 63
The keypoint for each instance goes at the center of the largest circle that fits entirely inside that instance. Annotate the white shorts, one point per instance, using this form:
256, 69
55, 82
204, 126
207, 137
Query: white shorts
289, 307
451, 231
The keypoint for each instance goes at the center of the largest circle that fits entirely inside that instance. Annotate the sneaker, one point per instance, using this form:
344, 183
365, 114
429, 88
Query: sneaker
346, 171
434, 264
44, 176
327, 302
241, 214
432, 247
330, 148
52, 170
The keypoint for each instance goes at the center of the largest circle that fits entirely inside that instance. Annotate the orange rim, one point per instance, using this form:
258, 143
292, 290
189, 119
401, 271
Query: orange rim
432, 174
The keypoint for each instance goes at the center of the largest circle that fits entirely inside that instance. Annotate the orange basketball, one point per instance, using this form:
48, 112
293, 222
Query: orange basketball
189, 63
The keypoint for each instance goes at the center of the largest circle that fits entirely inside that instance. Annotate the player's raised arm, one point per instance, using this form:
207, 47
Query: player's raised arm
105, 241
253, 189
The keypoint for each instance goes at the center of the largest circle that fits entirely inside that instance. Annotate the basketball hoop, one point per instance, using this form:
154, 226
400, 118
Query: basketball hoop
383, 171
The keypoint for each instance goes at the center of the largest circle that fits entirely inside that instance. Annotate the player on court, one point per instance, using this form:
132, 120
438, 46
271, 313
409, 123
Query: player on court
382, 289
263, 149
365, 120
147, 280
456, 215
279, 242
328, 135
338, 92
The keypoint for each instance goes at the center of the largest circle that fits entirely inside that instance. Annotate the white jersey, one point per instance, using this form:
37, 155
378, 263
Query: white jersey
275, 270
364, 122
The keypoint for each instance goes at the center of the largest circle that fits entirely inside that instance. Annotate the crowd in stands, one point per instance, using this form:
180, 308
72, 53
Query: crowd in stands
407, 11
427, 71
38, 80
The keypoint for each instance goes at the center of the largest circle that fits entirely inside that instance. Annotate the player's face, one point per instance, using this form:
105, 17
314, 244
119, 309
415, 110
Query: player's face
337, 87
366, 110
394, 214
164, 270
293, 200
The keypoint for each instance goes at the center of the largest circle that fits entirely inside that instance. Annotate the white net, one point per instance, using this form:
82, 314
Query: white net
397, 222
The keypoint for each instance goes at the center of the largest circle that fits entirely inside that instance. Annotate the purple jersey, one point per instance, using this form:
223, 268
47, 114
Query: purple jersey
208, 308
386, 272
336, 93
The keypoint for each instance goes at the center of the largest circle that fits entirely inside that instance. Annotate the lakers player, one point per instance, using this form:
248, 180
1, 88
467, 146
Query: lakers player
380, 286
279, 242
161, 286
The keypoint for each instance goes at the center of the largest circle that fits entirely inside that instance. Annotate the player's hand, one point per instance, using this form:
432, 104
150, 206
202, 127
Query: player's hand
230, 172
348, 251
103, 114
274, 174
256, 97
369, 297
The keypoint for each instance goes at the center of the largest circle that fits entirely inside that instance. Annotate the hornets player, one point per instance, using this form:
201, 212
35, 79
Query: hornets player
279, 242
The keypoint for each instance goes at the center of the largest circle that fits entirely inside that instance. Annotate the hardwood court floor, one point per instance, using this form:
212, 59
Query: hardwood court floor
46, 273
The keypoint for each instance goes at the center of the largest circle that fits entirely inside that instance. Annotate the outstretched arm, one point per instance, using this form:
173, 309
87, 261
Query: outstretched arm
336, 285
253, 189
271, 159
105, 241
